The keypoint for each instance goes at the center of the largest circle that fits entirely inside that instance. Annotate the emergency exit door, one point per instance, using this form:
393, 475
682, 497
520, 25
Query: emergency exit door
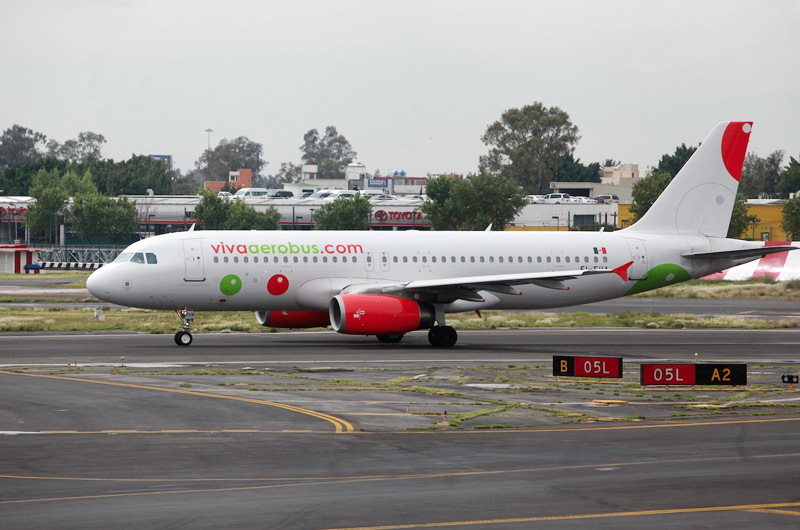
193, 260
638, 270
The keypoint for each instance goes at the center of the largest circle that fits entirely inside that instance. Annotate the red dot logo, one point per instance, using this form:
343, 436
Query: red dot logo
277, 285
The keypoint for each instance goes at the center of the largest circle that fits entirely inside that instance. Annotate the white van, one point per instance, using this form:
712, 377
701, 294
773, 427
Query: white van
251, 192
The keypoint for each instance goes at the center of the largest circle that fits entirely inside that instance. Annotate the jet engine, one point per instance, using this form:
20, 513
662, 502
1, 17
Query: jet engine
377, 314
293, 319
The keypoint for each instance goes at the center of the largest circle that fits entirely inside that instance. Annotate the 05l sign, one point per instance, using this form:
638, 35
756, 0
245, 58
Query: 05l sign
694, 374
606, 367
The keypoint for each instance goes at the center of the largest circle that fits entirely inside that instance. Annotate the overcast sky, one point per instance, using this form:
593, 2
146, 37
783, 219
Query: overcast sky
411, 84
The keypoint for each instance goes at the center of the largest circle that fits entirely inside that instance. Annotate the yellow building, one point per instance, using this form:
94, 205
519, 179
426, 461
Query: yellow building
768, 227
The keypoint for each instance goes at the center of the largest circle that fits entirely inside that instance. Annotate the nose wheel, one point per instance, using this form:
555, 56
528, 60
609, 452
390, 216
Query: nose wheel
184, 337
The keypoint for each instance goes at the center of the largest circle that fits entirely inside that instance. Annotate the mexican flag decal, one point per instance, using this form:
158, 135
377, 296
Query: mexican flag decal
600, 250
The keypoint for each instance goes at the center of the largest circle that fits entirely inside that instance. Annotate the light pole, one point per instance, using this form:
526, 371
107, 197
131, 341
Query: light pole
558, 223
209, 131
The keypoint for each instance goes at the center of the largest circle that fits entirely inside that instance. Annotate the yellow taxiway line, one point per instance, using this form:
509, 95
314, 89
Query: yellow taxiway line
339, 424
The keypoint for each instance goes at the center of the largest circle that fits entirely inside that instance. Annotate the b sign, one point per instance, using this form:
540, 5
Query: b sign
606, 367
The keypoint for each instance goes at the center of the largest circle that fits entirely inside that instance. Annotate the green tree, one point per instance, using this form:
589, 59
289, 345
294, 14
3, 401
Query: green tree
93, 217
646, 191
51, 199
791, 218
773, 166
19, 146
754, 176
528, 145
75, 185
212, 210
242, 216
790, 179
344, 214
331, 152
288, 172
78, 150
572, 170
673, 163
740, 219
472, 203
230, 155
17, 180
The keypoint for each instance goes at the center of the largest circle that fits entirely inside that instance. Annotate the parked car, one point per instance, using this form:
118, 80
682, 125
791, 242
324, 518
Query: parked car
378, 198
280, 194
416, 197
535, 199
319, 195
584, 200
340, 194
607, 198
251, 192
225, 194
557, 198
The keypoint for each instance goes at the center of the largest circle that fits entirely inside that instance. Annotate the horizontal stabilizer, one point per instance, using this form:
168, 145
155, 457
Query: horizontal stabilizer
745, 253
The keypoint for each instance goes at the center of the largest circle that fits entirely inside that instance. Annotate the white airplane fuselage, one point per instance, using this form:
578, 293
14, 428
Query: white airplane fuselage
278, 270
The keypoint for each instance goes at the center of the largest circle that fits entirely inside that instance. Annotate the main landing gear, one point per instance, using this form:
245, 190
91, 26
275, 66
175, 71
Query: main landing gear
442, 336
184, 337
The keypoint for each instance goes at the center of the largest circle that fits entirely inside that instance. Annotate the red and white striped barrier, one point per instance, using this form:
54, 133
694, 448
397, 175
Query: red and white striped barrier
781, 267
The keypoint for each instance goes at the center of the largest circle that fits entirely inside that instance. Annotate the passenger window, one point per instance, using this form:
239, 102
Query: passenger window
414, 259
236, 259
595, 259
246, 259
286, 259
586, 259
500, 259
324, 259
275, 259
137, 258
538, 259
295, 259
369, 258
225, 259
384, 259
394, 259
433, 259
314, 259
482, 260
452, 259
472, 259
565, 259
577, 259
151, 258
463, 259
491, 259
216, 259
354, 259
344, 259
605, 259
335, 259
305, 259
405, 259
255, 259
548, 259
558, 259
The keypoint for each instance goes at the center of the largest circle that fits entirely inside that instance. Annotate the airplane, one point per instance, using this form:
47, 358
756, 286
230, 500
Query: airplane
388, 284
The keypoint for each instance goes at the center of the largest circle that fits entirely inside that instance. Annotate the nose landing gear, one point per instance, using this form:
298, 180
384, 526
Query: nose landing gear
442, 336
184, 337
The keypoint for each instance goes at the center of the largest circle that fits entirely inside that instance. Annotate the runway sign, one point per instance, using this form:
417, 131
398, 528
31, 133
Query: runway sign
694, 374
568, 366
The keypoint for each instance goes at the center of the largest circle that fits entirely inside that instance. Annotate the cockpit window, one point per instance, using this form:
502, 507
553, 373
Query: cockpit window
137, 258
125, 256
151, 258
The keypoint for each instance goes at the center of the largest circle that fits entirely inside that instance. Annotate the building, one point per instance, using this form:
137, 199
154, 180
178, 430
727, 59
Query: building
621, 175
617, 180
242, 178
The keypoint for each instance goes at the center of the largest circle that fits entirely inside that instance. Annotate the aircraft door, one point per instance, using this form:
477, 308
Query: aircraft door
193, 260
638, 270
370, 262
384, 262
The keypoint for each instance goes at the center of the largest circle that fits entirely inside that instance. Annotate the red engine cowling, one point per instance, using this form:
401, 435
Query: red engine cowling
293, 319
377, 314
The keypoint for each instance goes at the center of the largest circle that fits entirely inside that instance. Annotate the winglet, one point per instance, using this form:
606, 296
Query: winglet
622, 271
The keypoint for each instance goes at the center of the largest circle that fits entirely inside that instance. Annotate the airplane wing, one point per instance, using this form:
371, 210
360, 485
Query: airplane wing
467, 288
740, 254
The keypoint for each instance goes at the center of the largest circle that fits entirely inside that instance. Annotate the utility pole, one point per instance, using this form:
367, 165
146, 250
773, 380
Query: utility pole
209, 131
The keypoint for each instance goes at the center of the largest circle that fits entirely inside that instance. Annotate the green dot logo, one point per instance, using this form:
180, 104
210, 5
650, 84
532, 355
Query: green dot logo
230, 285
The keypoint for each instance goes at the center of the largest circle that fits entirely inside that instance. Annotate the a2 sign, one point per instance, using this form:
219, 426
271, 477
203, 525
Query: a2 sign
653, 374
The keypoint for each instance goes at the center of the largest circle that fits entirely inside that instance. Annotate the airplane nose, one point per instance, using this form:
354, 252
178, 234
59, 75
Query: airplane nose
94, 283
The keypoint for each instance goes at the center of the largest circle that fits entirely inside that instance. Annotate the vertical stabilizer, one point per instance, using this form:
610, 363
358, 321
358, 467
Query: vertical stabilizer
699, 200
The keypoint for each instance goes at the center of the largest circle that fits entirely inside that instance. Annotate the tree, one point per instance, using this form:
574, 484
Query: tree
740, 220
646, 191
774, 173
211, 210
791, 218
19, 146
754, 176
93, 216
344, 214
572, 170
242, 216
51, 198
78, 150
230, 155
472, 203
131, 177
674, 162
528, 145
790, 180
331, 152
17, 180
288, 173
218, 213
